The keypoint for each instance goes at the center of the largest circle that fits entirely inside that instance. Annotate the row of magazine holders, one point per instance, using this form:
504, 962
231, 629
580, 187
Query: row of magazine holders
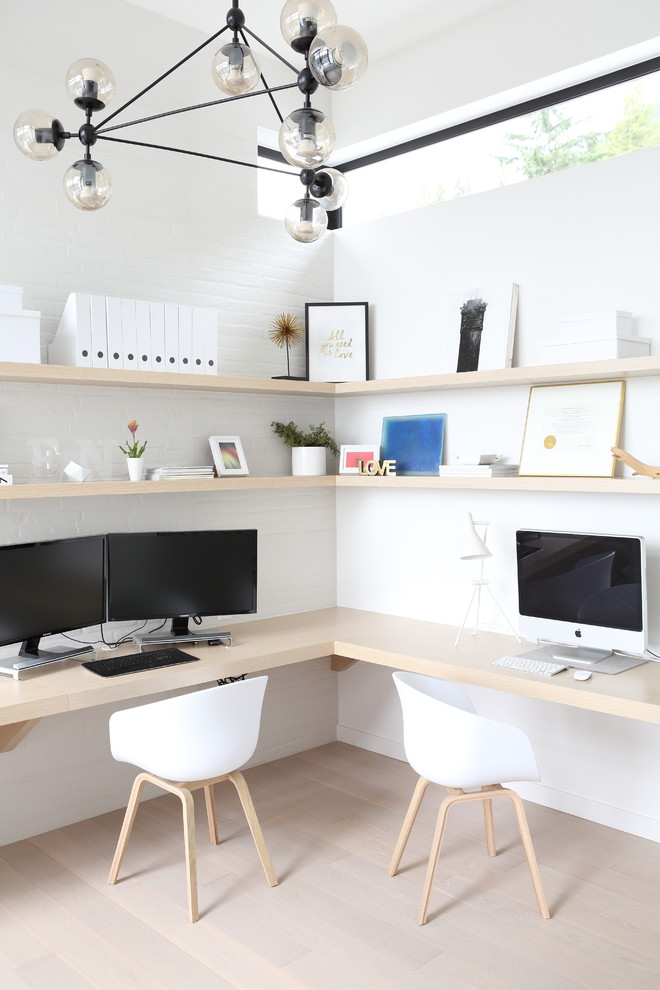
108, 332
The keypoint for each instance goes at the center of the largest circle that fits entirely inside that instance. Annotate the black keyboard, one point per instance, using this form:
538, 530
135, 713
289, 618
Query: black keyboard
133, 662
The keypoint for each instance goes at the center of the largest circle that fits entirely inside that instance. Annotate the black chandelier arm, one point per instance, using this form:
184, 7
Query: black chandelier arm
164, 75
271, 50
267, 88
195, 154
198, 106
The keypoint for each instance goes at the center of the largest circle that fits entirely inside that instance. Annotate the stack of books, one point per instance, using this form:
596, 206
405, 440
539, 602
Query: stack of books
169, 473
495, 470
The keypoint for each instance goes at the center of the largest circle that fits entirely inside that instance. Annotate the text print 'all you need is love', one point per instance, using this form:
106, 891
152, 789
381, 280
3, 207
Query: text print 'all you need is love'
337, 345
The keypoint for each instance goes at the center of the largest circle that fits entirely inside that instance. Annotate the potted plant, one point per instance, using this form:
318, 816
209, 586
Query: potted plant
307, 448
134, 451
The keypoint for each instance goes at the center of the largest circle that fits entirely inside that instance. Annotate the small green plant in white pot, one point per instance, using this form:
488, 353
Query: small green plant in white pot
307, 447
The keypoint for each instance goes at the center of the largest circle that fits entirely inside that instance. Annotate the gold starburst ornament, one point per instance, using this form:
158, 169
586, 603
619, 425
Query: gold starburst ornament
286, 331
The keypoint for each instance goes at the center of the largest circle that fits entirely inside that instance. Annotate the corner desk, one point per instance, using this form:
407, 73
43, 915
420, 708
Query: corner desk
345, 635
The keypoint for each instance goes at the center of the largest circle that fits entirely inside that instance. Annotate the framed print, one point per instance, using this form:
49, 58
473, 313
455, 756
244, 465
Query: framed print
228, 456
570, 430
337, 342
351, 453
414, 442
476, 326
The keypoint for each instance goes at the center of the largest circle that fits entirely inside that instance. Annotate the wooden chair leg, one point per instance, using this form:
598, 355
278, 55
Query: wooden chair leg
404, 834
191, 856
529, 852
433, 858
209, 797
127, 825
490, 828
238, 780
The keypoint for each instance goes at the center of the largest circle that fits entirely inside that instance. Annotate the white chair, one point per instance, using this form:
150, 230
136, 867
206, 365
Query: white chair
190, 742
447, 743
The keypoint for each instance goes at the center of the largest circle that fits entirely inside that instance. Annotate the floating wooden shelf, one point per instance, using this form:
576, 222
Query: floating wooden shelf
607, 486
541, 375
544, 374
217, 485
53, 374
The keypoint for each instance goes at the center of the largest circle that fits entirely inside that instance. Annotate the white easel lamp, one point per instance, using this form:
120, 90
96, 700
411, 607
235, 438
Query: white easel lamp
474, 548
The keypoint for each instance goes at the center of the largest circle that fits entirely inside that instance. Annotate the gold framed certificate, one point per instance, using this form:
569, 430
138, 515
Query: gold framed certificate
570, 430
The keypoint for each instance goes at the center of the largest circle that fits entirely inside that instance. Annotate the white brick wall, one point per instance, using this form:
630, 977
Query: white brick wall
180, 230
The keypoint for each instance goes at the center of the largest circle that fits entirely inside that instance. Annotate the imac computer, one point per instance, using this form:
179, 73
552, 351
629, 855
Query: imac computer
46, 588
180, 576
582, 592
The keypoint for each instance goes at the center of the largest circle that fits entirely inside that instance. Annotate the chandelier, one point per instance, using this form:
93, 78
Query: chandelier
335, 57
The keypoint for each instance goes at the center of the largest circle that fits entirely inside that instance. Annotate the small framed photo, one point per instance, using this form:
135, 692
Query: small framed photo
228, 456
337, 342
351, 453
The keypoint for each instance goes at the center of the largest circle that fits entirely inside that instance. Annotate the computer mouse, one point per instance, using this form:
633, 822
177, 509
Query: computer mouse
582, 675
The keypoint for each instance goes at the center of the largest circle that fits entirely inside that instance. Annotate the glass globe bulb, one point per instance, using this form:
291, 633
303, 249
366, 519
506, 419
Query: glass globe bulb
306, 138
339, 190
234, 69
90, 84
301, 20
33, 132
88, 185
338, 57
306, 220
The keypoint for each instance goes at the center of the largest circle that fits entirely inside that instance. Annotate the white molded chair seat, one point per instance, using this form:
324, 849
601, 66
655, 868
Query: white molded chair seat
190, 742
447, 743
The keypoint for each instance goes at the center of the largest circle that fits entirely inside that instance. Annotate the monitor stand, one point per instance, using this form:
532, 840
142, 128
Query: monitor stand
208, 636
180, 633
579, 656
30, 658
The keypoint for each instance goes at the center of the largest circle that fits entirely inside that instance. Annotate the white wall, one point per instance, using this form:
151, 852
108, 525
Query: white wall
511, 45
181, 230
576, 242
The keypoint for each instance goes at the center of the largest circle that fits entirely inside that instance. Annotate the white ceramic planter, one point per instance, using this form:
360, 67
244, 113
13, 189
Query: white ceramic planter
307, 460
135, 468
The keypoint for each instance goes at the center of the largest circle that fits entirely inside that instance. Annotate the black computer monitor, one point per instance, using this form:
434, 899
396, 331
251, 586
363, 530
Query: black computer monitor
178, 576
52, 586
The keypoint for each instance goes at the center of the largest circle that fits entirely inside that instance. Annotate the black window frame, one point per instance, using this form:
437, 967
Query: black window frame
511, 112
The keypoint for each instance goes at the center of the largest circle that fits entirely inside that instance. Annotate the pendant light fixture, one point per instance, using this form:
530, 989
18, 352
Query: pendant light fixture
334, 57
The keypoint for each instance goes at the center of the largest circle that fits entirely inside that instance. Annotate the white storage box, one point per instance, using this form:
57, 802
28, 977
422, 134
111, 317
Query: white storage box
19, 336
564, 351
11, 298
596, 326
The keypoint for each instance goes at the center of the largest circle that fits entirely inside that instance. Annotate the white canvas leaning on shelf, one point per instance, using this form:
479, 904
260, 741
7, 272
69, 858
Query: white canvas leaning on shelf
476, 328
105, 332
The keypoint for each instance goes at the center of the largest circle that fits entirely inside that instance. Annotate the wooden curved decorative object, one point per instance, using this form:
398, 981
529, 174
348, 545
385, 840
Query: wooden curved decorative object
648, 470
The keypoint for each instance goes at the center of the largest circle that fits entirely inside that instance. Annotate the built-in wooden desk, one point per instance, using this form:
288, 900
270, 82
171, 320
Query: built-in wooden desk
346, 635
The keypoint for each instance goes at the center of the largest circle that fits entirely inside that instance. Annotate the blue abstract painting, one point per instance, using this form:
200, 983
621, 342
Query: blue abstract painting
414, 442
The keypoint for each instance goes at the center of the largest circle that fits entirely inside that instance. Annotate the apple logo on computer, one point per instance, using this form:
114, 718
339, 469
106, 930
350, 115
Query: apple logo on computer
578, 633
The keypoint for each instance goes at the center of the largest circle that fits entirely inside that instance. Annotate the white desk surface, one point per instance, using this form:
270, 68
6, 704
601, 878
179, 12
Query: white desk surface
348, 634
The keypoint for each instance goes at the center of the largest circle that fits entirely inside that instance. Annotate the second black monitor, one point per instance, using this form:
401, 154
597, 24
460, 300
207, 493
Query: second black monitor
180, 575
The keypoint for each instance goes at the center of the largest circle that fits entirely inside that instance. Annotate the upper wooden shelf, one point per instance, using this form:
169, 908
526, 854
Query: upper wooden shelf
55, 374
546, 374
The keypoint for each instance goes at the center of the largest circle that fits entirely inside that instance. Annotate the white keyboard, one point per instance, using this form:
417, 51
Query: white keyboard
543, 667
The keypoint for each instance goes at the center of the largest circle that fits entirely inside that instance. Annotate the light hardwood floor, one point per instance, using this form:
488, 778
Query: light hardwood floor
336, 921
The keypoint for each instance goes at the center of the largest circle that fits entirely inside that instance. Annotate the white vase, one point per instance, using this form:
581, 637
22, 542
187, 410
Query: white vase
135, 468
307, 460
